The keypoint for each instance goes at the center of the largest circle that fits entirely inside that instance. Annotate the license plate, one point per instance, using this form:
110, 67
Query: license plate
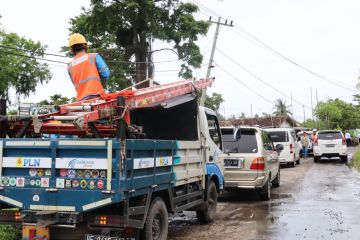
98, 237
233, 163
329, 145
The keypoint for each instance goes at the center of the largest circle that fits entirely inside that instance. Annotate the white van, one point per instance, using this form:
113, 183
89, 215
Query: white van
287, 138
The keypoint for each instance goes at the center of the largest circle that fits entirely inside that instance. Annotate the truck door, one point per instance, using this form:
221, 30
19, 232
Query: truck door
214, 153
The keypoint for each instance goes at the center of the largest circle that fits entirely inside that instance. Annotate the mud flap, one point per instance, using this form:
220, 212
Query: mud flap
35, 233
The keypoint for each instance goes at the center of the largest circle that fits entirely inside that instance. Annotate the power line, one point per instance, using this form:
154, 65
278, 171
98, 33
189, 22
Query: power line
261, 44
246, 86
32, 57
261, 80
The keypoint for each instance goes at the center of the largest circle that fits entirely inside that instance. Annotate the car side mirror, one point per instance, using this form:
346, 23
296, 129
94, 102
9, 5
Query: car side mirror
279, 148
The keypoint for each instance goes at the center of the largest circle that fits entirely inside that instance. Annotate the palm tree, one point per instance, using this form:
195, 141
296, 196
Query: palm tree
281, 108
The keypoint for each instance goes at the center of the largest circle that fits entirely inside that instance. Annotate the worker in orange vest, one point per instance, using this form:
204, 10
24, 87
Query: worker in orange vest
88, 71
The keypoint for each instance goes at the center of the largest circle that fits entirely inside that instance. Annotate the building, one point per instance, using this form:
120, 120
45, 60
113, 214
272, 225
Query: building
265, 122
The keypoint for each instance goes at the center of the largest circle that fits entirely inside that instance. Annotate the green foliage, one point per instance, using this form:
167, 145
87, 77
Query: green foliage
10, 232
281, 108
214, 101
56, 99
338, 114
19, 69
12, 112
123, 31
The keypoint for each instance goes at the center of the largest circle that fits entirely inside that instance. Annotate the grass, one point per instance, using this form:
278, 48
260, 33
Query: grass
356, 159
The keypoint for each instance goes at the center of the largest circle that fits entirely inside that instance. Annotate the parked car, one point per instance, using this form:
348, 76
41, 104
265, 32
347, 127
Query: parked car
286, 137
309, 147
330, 144
252, 161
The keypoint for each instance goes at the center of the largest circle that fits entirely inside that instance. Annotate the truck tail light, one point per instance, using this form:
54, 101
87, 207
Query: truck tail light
291, 148
258, 164
343, 141
108, 220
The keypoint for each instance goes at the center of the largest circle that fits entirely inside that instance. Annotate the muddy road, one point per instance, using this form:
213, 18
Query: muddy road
314, 201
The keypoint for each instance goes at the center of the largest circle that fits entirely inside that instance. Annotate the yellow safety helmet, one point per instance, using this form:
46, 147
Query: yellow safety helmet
76, 38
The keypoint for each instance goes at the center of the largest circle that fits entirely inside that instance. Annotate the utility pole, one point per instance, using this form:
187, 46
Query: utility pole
252, 123
304, 112
312, 106
211, 60
292, 110
317, 104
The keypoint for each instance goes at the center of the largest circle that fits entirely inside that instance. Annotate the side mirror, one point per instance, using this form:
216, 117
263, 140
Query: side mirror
237, 134
279, 148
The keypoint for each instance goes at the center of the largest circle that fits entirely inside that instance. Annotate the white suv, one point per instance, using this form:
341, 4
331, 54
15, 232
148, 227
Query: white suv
252, 160
330, 144
287, 138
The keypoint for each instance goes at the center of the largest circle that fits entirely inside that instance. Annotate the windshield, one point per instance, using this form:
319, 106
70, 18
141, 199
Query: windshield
329, 135
279, 136
246, 143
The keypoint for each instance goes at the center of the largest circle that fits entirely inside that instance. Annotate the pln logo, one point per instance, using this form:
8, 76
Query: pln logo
27, 162
164, 161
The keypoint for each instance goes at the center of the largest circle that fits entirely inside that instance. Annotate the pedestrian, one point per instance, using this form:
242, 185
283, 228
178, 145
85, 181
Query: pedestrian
88, 71
313, 135
348, 138
305, 144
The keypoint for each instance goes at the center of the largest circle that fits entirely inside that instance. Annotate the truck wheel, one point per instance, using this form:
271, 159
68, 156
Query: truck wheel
265, 191
316, 159
207, 213
276, 182
156, 225
344, 159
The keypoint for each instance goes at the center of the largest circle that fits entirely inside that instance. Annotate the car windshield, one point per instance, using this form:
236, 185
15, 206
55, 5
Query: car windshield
245, 144
329, 135
280, 136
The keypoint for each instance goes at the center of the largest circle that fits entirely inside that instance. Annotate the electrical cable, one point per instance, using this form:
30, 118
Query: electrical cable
261, 80
277, 53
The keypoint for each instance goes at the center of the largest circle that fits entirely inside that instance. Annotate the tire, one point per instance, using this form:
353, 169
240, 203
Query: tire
316, 159
265, 191
207, 212
276, 182
344, 159
156, 225
298, 161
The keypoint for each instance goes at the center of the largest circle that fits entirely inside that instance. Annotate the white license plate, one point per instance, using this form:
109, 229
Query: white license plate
234, 163
329, 145
98, 237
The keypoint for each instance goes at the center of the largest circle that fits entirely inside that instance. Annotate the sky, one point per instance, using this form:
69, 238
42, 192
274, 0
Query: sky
322, 36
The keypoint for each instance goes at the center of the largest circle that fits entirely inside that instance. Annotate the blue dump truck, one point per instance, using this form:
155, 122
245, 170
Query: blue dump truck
110, 188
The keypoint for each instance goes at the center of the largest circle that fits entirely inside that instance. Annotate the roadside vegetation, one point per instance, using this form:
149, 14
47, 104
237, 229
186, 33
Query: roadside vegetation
356, 159
10, 232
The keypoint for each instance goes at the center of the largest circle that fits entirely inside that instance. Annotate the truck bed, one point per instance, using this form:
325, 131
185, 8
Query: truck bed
80, 175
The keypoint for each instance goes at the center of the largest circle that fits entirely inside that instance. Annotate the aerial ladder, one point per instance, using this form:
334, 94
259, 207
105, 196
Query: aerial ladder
104, 116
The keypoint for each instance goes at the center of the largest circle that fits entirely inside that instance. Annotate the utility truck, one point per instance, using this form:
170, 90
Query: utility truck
132, 158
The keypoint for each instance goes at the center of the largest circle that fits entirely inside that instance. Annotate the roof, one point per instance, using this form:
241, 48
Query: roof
265, 122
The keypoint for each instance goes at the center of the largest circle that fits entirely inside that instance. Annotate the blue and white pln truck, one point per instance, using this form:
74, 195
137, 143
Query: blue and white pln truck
109, 188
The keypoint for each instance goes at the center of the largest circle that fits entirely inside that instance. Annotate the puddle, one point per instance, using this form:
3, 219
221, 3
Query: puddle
281, 195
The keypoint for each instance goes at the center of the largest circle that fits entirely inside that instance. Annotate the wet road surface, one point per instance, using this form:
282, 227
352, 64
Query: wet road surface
314, 201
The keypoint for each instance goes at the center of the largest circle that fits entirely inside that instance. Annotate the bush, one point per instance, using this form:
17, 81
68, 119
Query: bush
10, 232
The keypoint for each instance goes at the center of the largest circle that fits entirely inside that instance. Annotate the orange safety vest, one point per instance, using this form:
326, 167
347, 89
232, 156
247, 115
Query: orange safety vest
85, 75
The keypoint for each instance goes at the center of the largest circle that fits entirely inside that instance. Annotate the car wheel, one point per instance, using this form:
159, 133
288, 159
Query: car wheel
265, 191
276, 182
344, 159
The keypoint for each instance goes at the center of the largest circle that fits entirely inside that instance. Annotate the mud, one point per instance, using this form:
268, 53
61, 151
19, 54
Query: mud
314, 201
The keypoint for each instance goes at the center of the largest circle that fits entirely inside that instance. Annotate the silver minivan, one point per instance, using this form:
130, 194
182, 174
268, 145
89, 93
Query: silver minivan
251, 160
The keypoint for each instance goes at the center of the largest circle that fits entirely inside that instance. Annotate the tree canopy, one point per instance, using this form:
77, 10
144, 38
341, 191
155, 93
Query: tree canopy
338, 114
214, 101
123, 32
281, 108
19, 68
